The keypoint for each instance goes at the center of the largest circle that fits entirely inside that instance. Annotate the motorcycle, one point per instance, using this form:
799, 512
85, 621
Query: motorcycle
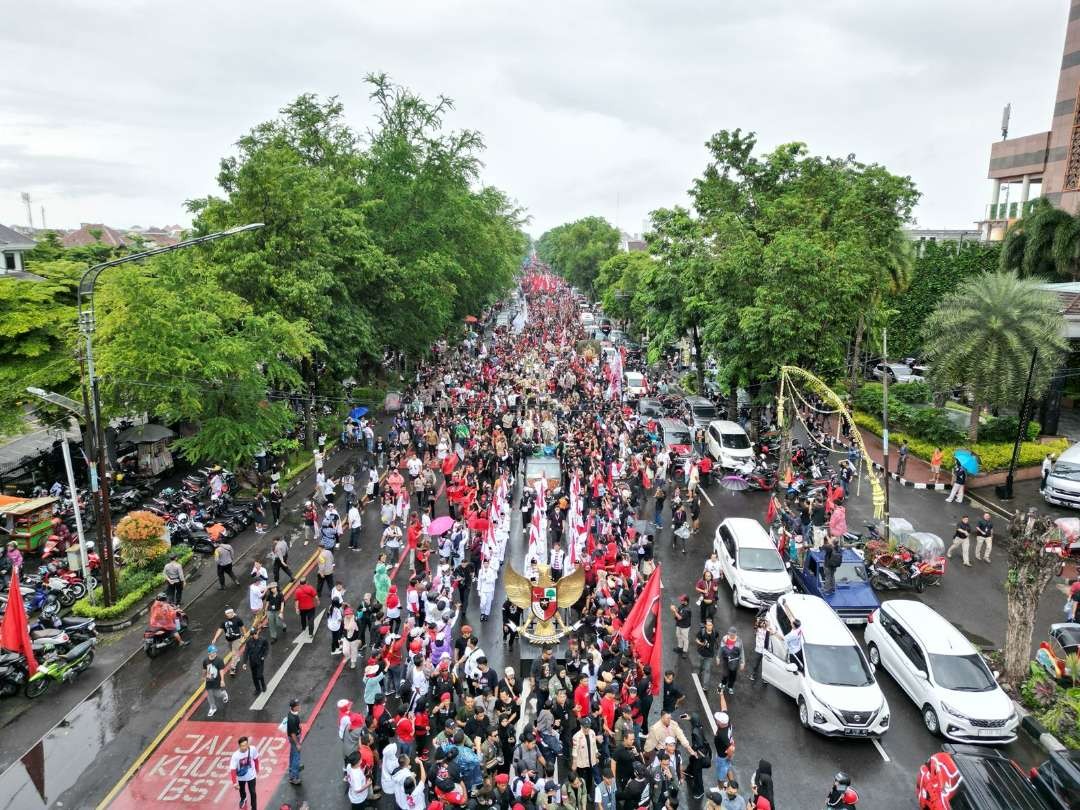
76, 628
60, 668
13, 673
36, 598
198, 540
904, 571
156, 640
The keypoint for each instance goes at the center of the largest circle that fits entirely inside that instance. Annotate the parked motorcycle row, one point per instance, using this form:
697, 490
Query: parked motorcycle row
197, 512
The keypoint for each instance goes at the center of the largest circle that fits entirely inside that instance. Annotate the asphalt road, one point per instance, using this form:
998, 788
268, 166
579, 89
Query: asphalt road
103, 729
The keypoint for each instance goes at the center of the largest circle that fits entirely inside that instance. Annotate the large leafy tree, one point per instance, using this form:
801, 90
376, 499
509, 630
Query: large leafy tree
804, 249
1046, 243
617, 284
37, 337
578, 249
983, 335
175, 344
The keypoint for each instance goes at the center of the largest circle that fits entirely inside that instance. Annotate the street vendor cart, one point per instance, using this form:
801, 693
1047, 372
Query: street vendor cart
27, 521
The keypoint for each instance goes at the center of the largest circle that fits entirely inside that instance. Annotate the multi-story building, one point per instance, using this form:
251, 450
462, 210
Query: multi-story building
1047, 160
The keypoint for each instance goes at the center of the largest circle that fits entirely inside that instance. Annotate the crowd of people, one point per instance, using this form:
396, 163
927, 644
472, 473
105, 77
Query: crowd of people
434, 725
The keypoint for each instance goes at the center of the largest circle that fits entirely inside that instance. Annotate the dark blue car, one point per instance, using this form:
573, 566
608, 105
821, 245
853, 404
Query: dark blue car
853, 600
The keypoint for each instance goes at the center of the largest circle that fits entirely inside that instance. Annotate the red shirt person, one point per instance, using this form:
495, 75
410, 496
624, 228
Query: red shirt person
306, 601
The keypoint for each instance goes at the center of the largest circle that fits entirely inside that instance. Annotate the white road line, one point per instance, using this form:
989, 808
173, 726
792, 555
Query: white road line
298, 644
880, 750
705, 495
704, 701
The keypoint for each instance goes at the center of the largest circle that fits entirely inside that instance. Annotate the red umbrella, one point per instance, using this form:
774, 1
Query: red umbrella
478, 524
15, 632
471, 319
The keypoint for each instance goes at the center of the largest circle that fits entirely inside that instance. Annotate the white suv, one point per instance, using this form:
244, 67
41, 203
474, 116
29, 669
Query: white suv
941, 671
752, 566
834, 687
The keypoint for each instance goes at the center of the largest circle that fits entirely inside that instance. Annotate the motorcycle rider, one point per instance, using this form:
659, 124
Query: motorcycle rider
842, 793
164, 616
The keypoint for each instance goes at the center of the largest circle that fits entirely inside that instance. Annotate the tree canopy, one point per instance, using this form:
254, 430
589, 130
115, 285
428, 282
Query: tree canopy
577, 249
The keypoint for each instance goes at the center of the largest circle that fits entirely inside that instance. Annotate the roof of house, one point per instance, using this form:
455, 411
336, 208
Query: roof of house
13, 240
159, 238
83, 236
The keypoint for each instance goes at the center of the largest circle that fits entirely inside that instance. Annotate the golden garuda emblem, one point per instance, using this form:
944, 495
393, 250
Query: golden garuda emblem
541, 598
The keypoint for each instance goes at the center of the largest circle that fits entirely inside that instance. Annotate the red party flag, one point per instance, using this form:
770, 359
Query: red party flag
15, 632
642, 628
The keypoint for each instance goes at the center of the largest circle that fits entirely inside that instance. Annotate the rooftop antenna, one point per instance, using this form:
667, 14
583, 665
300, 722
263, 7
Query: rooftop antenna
1005, 121
29, 209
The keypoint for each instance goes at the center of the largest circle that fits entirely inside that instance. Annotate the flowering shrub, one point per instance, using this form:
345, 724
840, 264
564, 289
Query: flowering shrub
142, 538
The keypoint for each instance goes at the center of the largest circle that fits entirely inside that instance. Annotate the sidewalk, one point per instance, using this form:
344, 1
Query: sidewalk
916, 474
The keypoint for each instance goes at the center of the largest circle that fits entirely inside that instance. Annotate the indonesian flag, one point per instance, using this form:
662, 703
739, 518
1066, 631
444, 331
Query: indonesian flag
538, 527
642, 628
15, 632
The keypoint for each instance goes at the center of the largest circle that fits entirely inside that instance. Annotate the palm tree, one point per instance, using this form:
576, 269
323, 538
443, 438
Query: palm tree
982, 336
1046, 242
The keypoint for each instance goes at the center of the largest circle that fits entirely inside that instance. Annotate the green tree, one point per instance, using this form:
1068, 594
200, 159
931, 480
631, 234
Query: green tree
173, 343
37, 337
940, 267
1045, 243
617, 283
804, 249
982, 337
577, 249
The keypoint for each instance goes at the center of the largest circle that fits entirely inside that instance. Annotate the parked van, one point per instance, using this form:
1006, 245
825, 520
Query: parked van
1063, 484
833, 685
942, 673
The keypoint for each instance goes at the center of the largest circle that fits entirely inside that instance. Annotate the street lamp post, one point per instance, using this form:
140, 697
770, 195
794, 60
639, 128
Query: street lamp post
72, 407
100, 482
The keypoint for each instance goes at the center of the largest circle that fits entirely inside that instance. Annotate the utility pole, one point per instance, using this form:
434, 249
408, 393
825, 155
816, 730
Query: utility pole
43, 225
29, 209
885, 424
1006, 492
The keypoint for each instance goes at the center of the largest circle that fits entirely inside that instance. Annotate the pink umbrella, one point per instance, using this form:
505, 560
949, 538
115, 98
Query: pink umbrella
440, 526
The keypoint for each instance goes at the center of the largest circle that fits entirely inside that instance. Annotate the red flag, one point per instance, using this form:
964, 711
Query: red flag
15, 632
642, 629
770, 512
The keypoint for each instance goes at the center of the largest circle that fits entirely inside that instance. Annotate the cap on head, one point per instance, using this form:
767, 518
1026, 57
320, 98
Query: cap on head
721, 718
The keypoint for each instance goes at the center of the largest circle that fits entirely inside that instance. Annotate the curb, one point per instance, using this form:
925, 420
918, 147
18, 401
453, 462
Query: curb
913, 484
1036, 731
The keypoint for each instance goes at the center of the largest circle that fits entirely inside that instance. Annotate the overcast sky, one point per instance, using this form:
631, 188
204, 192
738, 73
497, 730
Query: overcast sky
119, 110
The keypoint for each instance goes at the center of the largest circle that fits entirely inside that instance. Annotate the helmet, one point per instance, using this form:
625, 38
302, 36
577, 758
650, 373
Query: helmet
162, 598
842, 779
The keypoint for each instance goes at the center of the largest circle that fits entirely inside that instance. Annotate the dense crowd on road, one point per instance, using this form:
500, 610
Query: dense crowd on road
597, 722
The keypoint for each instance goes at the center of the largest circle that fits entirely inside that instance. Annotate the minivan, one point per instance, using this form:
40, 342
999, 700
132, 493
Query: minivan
728, 443
833, 684
676, 437
942, 673
1063, 483
702, 411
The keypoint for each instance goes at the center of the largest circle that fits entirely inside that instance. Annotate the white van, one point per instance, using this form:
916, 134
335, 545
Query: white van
728, 443
752, 567
942, 673
1063, 484
834, 687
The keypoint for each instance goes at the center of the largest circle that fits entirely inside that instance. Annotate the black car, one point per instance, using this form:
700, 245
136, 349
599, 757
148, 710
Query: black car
970, 777
1058, 780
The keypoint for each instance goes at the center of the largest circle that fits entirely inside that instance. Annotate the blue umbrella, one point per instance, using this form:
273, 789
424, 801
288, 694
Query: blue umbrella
967, 460
357, 412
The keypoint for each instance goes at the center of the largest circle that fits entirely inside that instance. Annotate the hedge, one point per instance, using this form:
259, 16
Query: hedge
934, 425
132, 586
992, 455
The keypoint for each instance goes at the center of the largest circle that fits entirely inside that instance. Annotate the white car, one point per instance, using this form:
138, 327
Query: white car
834, 687
942, 673
728, 443
587, 319
752, 566
898, 373
634, 384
